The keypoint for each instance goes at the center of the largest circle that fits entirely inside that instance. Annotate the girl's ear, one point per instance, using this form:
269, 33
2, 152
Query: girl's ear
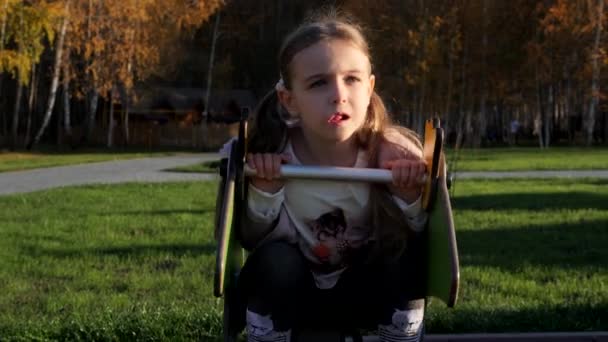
286, 99
372, 83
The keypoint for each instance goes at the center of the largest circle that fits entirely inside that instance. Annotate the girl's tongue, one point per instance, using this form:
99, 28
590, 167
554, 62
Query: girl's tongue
336, 118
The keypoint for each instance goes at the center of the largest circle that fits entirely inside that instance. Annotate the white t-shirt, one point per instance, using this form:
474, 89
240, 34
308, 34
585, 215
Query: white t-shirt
329, 220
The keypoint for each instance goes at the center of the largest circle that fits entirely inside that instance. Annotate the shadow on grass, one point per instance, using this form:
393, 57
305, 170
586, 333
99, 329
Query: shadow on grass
555, 318
158, 212
529, 201
177, 250
563, 245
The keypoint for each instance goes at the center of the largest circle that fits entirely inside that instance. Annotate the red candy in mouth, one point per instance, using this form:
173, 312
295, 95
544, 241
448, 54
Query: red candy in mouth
336, 118
321, 251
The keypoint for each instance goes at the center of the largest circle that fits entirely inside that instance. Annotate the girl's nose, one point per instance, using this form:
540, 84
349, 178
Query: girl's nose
339, 95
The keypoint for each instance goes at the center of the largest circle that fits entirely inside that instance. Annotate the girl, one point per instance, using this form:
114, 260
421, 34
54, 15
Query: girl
331, 254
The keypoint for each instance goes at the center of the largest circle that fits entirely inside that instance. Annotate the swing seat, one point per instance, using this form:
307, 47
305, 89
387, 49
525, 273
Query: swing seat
441, 249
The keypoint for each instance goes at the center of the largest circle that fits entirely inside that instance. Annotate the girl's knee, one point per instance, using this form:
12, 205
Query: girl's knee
276, 267
279, 254
276, 276
278, 260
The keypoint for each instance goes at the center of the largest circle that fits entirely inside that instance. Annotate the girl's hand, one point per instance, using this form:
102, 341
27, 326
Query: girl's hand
268, 167
404, 159
408, 177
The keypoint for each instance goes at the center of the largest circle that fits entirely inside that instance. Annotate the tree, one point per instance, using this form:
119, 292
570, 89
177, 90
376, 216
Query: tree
26, 27
596, 17
481, 120
56, 73
4, 12
477, 64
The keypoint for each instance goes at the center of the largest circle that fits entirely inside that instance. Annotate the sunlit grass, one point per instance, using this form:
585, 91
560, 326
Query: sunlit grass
533, 256
135, 261
501, 159
528, 158
126, 262
487, 159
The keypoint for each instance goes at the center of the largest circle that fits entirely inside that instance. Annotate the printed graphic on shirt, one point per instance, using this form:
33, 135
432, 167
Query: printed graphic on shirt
342, 241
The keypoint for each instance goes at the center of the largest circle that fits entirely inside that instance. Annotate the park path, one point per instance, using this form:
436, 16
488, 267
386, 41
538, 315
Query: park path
119, 171
154, 170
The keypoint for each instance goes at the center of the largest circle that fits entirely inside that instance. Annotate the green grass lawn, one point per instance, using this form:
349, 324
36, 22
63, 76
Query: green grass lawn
501, 159
109, 263
487, 159
528, 158
135, 261
14, 161
533, 257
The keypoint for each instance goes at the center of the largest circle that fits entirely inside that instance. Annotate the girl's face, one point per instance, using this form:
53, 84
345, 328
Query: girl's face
331, 87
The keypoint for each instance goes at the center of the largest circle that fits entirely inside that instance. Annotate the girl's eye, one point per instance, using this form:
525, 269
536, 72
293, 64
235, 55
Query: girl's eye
352, 79
317, 83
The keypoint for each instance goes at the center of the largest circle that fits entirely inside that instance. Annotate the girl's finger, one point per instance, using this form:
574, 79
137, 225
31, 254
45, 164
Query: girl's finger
277, 160
421, 173
285, 158
406, 173
388, 164
395, 172
268, 166
259, 163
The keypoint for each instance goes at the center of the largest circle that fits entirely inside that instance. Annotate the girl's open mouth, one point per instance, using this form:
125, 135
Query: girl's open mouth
336, 118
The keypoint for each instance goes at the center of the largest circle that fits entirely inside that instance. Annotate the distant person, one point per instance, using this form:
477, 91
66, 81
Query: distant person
317, 257
514, 130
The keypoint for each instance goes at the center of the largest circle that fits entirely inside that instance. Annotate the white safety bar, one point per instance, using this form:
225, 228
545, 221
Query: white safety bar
332, 173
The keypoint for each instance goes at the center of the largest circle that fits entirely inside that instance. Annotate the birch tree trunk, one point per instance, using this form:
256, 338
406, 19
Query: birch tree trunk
55, 81
548, 117
206, 112
126, 103
567, 105
90, 119
216, 26
468, 121
463, 87
448, 101
17, 109
125, 122
595, 84
67, 126
15, 126
481, 120
2, 38
420, 115
123, 91
422, 56
93, 95
538, 122
30, 104
111, 119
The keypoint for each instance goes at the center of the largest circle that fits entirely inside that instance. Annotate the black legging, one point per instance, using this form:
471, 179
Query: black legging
277, 280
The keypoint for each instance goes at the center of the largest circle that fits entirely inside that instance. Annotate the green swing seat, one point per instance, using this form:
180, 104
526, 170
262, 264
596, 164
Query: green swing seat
441, 248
